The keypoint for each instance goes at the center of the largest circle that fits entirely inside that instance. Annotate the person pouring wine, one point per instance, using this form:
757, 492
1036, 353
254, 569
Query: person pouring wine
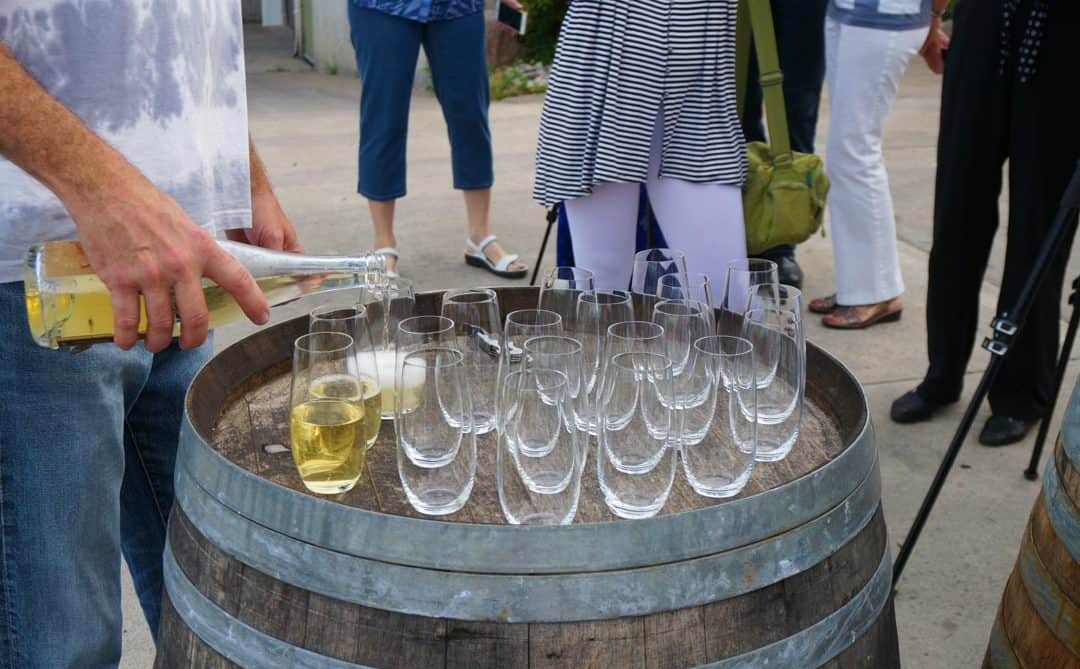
138, 146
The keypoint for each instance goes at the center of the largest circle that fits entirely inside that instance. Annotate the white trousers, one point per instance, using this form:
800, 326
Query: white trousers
863, 70
703, 220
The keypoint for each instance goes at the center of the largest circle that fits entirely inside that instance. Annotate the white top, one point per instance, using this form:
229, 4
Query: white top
160, 80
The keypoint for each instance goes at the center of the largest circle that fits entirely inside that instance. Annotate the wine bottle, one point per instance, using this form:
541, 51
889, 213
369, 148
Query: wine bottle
68, 304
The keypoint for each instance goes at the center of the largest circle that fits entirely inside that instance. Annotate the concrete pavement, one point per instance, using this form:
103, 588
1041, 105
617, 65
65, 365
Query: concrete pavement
305, 126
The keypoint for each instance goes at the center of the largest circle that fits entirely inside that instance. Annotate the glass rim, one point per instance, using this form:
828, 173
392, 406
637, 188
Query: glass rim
325, 311
791, 291
446, 324
574, 344
482, 294
553, 318
645, 324
557, 269
752, 265
610, 297
561, 376
346, 341
618, 361
746, 347
795, 315
701, 307
643, 255
458, 358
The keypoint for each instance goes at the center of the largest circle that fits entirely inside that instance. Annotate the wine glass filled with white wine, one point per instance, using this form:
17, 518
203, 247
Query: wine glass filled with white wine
328, 422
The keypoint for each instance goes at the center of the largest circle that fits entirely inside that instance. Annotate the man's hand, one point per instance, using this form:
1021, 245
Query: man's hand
138, 239
933, 49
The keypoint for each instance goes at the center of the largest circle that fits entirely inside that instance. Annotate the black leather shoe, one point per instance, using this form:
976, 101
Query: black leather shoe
911, 407
790, 272
1004, 430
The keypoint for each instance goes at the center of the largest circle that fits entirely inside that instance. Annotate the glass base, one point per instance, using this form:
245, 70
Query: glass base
438, 501
772, 451
718, 487
331, 487
633, 511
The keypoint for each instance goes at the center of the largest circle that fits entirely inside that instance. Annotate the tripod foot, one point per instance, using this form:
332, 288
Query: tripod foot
1031, 474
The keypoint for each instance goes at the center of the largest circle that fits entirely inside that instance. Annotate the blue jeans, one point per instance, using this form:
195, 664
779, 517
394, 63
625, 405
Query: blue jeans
87, 448
800, 45
386, 48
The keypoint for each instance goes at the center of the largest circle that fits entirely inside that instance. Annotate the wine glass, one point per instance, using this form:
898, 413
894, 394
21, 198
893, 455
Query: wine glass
788, 298
436, 443
415, 333
520, 326
565, 356
779, 347
635, 460
475, 313
366, 387
539, 461
698, 288
388, 304
649, 266
718, 408
596, 313
746, 278
561, 290
328, 427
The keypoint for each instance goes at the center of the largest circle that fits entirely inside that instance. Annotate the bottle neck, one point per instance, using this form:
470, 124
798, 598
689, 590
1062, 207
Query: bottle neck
264, 262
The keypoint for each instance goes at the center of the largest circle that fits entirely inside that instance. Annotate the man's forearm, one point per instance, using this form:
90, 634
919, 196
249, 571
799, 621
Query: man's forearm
260, 182
47, 140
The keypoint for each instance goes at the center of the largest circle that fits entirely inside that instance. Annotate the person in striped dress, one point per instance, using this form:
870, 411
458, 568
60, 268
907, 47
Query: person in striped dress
643, 92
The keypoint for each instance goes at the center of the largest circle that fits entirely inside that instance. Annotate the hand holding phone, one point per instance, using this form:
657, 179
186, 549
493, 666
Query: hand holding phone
511, 14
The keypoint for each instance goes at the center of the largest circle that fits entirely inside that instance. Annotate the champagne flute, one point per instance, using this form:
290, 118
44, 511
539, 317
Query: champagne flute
779, 346
596, 313
387, 305
366, 386
649, 266
327, 435
416, 333
561, 291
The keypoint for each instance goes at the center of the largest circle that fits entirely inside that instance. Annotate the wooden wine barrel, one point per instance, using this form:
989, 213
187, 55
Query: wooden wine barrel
1038, 622
794, 572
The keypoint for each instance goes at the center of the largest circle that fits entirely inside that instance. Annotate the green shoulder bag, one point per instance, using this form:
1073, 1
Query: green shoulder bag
784, 194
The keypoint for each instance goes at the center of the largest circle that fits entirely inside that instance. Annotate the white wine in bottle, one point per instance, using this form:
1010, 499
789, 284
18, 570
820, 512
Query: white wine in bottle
68, 304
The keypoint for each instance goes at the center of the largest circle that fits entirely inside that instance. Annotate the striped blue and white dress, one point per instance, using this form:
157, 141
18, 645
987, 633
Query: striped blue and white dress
620, 68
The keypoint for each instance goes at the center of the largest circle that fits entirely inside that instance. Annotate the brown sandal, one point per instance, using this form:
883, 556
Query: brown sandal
823, 305
850, 318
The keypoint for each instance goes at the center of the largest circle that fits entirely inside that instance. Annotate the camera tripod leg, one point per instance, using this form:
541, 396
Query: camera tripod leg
1032, 471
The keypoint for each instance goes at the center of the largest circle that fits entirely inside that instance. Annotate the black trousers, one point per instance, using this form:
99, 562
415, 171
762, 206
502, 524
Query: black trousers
987, 118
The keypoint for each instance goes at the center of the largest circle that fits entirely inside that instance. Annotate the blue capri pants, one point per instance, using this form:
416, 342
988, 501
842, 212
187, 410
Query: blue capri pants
387, 48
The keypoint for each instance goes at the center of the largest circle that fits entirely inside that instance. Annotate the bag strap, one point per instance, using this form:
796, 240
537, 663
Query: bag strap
757, 16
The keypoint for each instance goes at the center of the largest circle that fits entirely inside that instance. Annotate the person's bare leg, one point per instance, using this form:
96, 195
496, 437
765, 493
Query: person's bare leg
382, 219
478, 208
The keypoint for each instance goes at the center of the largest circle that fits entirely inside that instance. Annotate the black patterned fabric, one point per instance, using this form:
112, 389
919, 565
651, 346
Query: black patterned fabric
1023, 45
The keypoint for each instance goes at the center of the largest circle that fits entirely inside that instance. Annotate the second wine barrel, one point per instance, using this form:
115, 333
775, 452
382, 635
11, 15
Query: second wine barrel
793, 572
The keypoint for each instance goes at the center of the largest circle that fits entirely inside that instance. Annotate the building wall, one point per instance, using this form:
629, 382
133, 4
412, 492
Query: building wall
332, 50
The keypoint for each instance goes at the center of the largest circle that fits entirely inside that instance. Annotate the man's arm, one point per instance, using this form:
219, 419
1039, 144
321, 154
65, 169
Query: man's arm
138, 239
270, 227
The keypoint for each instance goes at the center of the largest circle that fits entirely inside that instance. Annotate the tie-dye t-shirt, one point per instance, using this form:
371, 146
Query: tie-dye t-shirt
160, 80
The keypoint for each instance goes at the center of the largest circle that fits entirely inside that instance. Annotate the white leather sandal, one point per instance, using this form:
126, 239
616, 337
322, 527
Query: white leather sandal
393, 253
474, 256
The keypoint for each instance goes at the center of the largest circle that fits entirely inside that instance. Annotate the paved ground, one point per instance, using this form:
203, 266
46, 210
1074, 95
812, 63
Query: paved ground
305, 126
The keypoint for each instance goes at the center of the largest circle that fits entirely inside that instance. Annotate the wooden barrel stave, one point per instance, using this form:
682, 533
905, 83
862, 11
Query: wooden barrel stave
760, 617
1038, 623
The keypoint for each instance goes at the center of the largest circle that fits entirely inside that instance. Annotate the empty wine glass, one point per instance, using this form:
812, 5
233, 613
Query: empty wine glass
539, 461
684, 322
327, 429
698, 288
718, 408
565, 356
387, 303
780, 370
746, 278
475, 313
596, 313
635, 462
562, 289
366, 386
785, 297
521, 325
415, 333
436, 445
649, 266
635, 337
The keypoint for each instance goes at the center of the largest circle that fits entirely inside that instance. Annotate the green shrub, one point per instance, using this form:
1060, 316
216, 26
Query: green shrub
511, 81
542, 31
